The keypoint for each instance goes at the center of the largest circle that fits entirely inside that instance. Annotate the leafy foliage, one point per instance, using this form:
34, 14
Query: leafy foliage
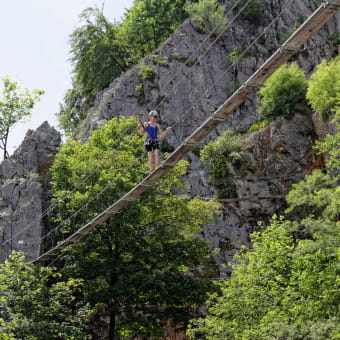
284, 93
331, 144
135, 264
335, 37
118, 145
16, 104
72, 111
146, 72
149, 22
324, 86
98, 55
37, 305
287, 287
259, 124
283, 289
220, 155
209, 14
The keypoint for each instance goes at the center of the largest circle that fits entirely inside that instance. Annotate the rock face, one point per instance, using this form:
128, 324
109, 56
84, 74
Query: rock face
191, 75
24, 185
277, 156
186, 79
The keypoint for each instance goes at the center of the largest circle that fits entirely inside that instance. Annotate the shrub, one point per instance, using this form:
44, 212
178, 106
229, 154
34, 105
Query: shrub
219, 155
221, 177
163, 62
145, 72
284, 93
323, 91
259, 125
236, 158
139, 87
208, 14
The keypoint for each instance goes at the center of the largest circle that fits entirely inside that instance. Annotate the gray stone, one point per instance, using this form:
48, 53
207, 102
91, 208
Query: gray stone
185, 95
23, 190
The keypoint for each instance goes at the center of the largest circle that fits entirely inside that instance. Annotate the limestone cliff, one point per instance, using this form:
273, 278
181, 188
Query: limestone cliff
186, 84
24, 187
186, 79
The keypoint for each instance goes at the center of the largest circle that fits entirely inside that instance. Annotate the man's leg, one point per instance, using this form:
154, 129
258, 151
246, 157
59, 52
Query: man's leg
150, 160
157, 157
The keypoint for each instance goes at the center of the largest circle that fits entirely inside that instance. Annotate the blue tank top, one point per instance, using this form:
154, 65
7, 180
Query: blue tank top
152, 131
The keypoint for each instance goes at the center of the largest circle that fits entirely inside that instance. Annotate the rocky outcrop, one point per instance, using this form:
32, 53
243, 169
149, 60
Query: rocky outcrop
186, 79
24, 186
273, 158
189, 76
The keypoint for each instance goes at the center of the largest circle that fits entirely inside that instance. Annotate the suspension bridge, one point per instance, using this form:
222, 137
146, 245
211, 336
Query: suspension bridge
292, 45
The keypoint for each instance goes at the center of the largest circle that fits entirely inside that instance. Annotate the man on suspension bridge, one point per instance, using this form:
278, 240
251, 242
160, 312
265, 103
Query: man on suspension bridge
152, 130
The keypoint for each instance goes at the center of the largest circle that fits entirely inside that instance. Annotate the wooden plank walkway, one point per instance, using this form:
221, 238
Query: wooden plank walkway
323, 14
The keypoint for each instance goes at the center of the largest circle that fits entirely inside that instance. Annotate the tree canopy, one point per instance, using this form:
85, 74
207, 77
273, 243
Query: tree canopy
16, 104
98, 54
148, 23
284, 93
287, 287
37, 304
209, 15
324, 86
135, 265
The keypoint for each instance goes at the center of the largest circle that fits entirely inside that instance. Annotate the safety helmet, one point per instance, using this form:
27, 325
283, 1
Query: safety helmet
153, 114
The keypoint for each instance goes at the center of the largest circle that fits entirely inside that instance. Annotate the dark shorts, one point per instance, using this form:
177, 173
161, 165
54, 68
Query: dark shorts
151, 145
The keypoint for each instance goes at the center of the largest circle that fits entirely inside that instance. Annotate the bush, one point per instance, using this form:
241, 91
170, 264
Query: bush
208, 14
323, 91
220, 155
145, 72
259, 125
284, 93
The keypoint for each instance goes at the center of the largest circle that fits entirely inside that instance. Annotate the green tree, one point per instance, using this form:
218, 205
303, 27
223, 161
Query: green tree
330, 145
96, 54
148, 23
284, 289
287, 287
209, 14
135, 264
284, 93
16, 104
37, 305
324, 86
73, 110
